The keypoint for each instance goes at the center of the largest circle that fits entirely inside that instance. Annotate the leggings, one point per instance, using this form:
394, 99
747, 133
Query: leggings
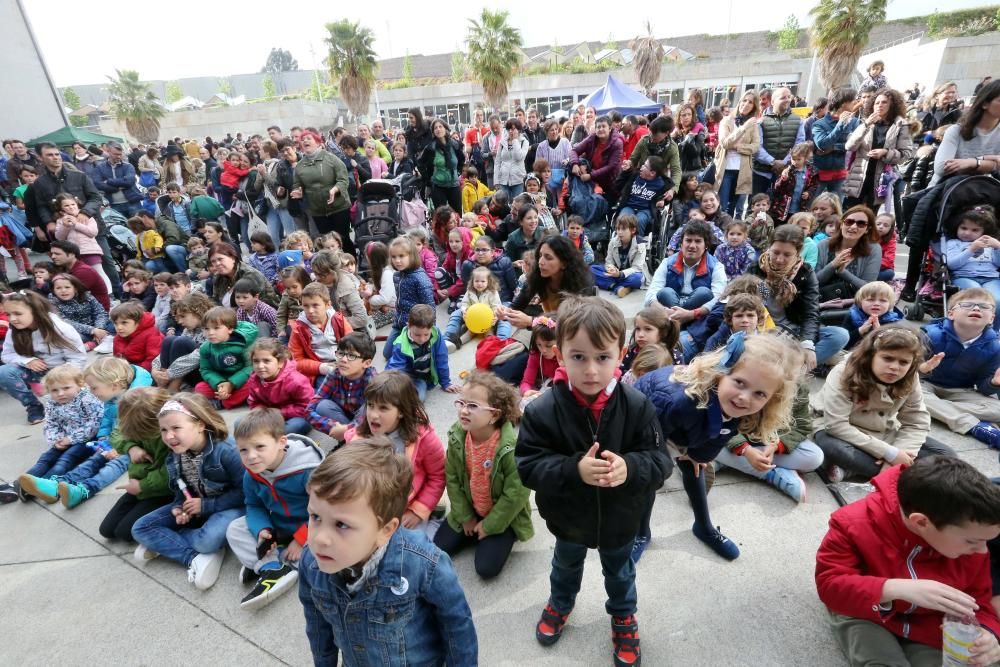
491, 552
117, 525
340, 223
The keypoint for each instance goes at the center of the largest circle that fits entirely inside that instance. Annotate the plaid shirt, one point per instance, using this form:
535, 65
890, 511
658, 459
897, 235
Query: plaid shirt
348, 394
260, 313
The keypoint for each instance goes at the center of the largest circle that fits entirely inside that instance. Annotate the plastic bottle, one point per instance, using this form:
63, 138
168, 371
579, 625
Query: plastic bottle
957, 638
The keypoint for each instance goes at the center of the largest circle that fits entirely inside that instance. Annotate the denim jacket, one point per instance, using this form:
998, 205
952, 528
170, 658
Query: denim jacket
411, 612
221, 472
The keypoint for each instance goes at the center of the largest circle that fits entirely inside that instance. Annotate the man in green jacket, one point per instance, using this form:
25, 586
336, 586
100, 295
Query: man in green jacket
659, 143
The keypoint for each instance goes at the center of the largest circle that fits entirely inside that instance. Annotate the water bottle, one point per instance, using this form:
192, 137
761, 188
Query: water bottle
957, 638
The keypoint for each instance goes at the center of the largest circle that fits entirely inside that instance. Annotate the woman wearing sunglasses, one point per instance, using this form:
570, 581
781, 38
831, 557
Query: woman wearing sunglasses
850, 257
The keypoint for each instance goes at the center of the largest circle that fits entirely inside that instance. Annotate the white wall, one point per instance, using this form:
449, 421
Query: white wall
916, 61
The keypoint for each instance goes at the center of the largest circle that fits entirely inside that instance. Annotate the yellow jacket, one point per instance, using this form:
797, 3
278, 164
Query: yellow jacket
473, 193
150, 245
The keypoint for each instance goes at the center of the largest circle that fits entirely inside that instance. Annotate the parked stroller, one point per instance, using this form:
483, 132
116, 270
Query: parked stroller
123, 244
377, 216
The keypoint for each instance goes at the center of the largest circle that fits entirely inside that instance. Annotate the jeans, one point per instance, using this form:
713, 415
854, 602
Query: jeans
280, 224
128, 209
512, 190
174, 262
853, 460
389, 340
297, 425
831, 341
836, 187
644, 218
160, 532
804, 458
604, 281
762, 183
728, 199
97, 472
491, 551
512, 370
117, 525
688, 346
456, 326
991, 285
15, 379
421, 386
616, 565
669, 297
55, 462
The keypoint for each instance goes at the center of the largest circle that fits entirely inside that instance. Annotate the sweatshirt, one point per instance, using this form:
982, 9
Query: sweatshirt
277, 499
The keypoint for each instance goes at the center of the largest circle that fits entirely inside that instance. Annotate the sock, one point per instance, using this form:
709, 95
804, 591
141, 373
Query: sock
694, 487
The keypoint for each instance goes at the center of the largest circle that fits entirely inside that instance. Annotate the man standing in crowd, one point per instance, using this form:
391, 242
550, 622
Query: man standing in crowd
780, 129
22, 156
274, 133
632, 132
379, 135
490, 145
116, 179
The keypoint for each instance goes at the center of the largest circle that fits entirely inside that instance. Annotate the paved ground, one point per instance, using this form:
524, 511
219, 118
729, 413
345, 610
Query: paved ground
66, 591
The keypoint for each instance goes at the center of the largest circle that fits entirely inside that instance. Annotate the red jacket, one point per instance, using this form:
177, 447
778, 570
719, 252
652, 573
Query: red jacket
143, 345
868, 543
290, 392
231, 175
300, 344
630, 143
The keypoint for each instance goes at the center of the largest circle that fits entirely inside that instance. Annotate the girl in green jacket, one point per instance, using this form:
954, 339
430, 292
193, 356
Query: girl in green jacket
489, 505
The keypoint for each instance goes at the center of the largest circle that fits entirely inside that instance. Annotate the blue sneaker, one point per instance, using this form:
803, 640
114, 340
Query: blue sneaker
717, 542
788, 482
987, 433
39, 487
638, 547
72, 495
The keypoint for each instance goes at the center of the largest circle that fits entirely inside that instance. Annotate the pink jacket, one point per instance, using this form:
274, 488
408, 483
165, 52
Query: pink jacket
82, 234
430, 263
290, 392
426, 455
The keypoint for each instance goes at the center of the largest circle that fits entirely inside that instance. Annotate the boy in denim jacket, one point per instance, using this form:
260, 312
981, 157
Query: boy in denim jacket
412, 609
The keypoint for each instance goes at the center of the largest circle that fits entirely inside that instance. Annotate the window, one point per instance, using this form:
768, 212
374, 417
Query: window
549, 105
670, 96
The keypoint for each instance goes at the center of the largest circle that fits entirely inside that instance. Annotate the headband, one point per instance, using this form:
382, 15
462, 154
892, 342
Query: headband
543, 320
176, 406
733, 351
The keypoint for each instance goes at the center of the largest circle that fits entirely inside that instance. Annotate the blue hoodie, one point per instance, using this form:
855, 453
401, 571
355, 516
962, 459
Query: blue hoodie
110, 419
963, 367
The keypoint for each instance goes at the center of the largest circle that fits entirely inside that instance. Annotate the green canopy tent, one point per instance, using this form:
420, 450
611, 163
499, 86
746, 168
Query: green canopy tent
64, 138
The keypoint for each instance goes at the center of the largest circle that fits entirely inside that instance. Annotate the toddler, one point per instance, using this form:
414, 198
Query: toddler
973, 251
250, 308
874, 306
263, 257
197, 258
542, 360
761, 229
137, 339
482, 289
624, 266
575, 233
293, 279
807, 223
736, 254
797, 184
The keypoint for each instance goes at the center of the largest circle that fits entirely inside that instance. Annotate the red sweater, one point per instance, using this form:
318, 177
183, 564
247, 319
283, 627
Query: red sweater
143, 345
290, 392
231, 175
630, 143
868, 543
93, 282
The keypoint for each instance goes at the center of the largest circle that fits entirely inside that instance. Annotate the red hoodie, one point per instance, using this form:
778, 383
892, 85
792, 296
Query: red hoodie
231, 175
143, 345
289, 392
868, 543
453, 264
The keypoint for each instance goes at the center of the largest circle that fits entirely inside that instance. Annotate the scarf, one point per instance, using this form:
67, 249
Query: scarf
738, 119
355, 579
780, 283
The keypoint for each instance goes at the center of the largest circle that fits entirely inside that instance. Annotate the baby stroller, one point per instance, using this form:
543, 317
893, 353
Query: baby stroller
377, 216
123, 244
958, 195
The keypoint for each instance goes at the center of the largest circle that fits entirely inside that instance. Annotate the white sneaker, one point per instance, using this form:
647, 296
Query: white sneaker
204, 569
144, 554
106, 346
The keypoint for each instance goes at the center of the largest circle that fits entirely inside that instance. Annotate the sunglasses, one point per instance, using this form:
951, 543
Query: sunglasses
854, 222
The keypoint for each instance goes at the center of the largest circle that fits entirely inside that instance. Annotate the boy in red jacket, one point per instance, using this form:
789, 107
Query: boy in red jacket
893, 564
137, 339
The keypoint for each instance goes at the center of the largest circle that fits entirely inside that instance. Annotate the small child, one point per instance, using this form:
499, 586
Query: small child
895, 565
473, 189
150, 243
483, 288
224, 362
641, 196
137, 340
149, 201
428, 260
973, 251
737, 253
66, 213
874, 306
742, 312
528, 262
315, 333
42, 273
349, 269
411, 283
797, 184
177, 209
647, 360
653, 326
574, 232
139, 287
489, 507
540, 371
197, 258
275, 383
161, 308
571, 450
807, 223
421, 353
79, 309
366, 486
178, 286
180, 356
206, 477
885, 223
250, 308
826, 208
474, 223
293, 279
330, 241
269, 540
263, 257
72, 417
341, 397
343, 292
380, 292
876, 77
761, 228
301, 244
485, 253
624, 266
449, 273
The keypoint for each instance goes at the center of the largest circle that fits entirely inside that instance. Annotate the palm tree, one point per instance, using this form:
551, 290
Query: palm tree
493, 54
647, 57
352, 60
839, 32
133, 103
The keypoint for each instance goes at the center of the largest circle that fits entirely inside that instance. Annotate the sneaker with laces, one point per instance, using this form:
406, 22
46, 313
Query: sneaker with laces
273, 582
247, 575
625, 637
717, 542
72, 495
40, 487
639, 547
788, 482
204, 569
550, 626
144, 554
987, 433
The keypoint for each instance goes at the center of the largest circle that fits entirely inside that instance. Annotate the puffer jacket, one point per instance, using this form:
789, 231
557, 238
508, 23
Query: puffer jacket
290, 392
963, 367
412, 287
898, 143
920, 170
228, 361
508, 168
316, 174
143, 345
502, 269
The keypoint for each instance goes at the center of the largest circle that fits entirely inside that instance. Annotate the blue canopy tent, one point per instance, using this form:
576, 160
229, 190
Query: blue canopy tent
616, 96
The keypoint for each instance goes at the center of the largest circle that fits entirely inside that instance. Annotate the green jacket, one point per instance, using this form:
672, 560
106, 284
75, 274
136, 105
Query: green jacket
229, 361
171, 233
802, 424
152, 477
511, 506
316, 174
204, 207
669, 153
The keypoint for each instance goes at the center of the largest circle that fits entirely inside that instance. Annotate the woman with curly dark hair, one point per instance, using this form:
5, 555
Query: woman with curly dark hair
880, 141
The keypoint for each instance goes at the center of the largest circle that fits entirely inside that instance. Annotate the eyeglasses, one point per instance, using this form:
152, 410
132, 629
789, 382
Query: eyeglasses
483, 249
472, 407
854, 222
972, 305
347, 356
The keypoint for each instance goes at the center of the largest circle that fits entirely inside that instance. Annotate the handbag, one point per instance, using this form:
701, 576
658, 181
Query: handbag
148, 179
556, 176
255, 225
838, 289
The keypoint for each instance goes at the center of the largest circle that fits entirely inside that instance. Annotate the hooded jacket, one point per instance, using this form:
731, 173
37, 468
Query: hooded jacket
228, 361
868, 543
453, 264
963, 367
143, 345
502, 269
316, 174
289, 392
277, 499
110, 419
402, 357
300, 341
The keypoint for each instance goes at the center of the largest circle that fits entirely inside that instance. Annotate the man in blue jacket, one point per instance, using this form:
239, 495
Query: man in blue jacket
115, 177
829, 135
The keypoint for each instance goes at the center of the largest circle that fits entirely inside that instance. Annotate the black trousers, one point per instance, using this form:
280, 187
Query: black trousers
447, 196
863, 464
491, 552
117, 525
340, 223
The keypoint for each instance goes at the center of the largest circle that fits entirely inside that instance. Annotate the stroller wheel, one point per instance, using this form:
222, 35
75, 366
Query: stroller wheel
915, 313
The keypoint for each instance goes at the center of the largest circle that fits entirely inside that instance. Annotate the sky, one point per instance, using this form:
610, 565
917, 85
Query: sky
81, 48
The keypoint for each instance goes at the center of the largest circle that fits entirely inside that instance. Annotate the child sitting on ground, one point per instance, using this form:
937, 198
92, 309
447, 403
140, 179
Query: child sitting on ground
42, 273
224, 362
79, 309
137, 340
340, 399
179, 286
961, 380
827, 210
139, 287
885, 223
246, 295
894, 566
180, 355
652, 326
973, 251
294, 279
761, 228
624, 266
263, 257
343, 292
807, 223
449, 273
647, 360
742, 312
736, 254
269, 540
275, 383
574, 232
420, 352
428, 260
316, 333
411, 283
161, 308
482, 288
874, 306
571, 450
367, 485
540, 371
473, 189
197, 258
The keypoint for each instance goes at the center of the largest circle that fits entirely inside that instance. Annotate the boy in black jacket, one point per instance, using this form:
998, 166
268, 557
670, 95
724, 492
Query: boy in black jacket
592, 451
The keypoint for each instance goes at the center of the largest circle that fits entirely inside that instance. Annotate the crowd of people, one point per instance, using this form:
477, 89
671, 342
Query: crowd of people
764, 243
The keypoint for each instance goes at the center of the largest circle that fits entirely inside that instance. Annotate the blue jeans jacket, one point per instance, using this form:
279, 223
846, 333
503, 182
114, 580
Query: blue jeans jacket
222, 474
413, 612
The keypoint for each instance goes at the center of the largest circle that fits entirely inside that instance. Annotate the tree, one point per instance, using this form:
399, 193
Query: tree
278, 61
71, 99
173, 92
457, 66
407, 74
270, 90
611, 43
135, 105
647, 58
493, 46
226, 86
352, 62
788, 36
839, 32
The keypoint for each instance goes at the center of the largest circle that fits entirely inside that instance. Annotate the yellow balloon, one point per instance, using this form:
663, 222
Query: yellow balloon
479, 318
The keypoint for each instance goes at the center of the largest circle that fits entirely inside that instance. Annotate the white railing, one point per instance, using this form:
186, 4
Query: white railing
901, 40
